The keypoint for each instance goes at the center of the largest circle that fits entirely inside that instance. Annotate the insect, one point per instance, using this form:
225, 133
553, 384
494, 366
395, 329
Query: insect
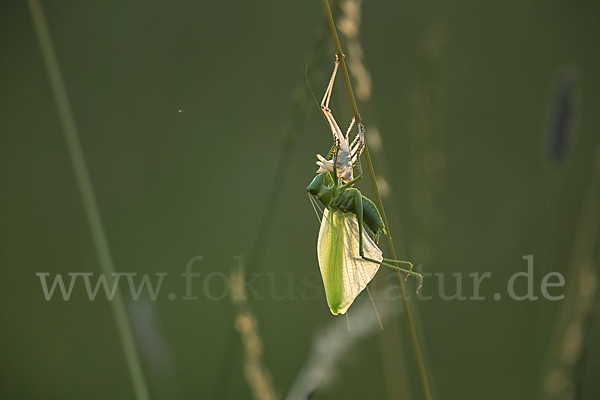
348, 257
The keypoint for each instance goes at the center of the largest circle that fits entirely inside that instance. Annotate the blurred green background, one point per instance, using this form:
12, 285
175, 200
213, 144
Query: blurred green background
184, 111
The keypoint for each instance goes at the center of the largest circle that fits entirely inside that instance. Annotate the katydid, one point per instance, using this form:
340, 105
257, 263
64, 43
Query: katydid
348, 257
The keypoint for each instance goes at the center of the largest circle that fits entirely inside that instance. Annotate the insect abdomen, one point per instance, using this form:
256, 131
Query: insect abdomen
371, 216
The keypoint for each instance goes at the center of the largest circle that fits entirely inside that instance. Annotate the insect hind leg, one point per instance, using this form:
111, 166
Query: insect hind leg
327, 96
387, 262
358, 143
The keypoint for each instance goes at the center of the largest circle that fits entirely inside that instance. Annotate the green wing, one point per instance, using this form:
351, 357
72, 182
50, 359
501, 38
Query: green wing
345, 274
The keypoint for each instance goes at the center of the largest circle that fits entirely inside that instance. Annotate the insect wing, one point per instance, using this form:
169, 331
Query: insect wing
345, 274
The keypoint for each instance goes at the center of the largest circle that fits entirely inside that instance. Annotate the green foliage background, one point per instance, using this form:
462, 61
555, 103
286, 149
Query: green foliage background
172, 185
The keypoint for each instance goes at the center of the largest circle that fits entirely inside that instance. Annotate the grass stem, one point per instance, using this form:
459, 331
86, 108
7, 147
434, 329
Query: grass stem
411, 327
89, 200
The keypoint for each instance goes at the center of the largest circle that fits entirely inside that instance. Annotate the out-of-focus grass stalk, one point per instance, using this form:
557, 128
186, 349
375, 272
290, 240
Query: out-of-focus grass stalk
545, 311
89, 200
379, 203
567, 348
558, 138
427, 157
428, 162
331, 344
257, 375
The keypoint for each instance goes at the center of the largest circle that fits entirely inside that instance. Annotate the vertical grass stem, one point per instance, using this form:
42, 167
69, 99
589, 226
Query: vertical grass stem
411, 327
89, 200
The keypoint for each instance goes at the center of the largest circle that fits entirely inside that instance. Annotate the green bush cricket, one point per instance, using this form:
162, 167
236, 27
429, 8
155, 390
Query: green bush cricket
348, 257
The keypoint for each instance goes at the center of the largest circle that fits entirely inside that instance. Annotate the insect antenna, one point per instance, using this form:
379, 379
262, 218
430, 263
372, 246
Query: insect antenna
315, 206
348, 321
309, 87
374, 307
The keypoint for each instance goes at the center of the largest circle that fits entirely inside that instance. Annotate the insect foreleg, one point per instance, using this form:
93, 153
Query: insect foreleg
358, 177
335, 160
331, 152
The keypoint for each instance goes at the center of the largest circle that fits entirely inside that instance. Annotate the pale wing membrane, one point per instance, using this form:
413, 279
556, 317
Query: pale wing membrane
360, 272
345, 274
